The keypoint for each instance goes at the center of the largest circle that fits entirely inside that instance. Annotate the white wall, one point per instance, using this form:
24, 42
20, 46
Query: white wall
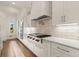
5, 25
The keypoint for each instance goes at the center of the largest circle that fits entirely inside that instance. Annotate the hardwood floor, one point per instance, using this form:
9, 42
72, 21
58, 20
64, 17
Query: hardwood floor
14, 48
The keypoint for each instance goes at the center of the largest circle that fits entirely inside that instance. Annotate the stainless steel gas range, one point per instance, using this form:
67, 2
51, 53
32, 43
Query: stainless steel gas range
38, 37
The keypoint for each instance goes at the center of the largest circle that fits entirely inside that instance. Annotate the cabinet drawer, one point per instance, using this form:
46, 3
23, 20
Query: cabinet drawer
59, 54
65, 49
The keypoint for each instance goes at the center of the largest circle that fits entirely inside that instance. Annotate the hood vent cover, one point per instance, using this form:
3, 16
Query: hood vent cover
42, 17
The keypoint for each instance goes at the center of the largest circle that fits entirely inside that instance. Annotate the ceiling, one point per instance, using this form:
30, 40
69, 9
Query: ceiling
14, 7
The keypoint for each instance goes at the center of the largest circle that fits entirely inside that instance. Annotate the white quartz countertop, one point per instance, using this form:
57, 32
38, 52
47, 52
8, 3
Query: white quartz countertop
69, 42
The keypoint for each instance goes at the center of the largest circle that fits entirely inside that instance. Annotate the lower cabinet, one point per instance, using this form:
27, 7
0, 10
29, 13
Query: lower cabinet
59, 54
29, 44
39, 49
42, 50
58, 50
51, 49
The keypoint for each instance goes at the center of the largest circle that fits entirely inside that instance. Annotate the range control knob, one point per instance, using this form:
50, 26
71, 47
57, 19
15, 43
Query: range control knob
37, 40
30, 37
27, 36
33, 38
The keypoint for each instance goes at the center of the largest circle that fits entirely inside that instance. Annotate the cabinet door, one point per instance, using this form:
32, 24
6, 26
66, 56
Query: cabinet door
29, 44
71, 11
42, 50
57, 12
59, 54
56, 52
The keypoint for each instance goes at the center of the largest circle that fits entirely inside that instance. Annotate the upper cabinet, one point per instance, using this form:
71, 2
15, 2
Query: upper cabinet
71, 11
65, 12
57, 12
40, 8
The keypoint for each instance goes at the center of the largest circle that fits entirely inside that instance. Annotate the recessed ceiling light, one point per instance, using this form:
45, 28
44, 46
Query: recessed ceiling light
13, 3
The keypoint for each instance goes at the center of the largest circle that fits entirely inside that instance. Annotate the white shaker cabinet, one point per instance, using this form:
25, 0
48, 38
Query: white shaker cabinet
42, 50
28, 43
65, 12
57, 51
71, 11
60, 50
57, 12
